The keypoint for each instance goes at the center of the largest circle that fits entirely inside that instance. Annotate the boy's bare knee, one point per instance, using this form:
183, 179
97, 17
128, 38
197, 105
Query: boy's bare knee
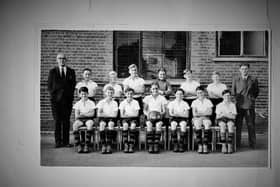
125, 126
207, 124
102, 125
77, 124
183, 126
132, 125
111, 125
197, 124
230, 125
222, 126
149, 126
89, 124
173, 125
158, 126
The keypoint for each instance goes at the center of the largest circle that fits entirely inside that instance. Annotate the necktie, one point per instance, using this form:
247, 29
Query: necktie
62, 74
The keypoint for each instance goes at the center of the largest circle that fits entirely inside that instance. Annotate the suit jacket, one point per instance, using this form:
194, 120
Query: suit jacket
60, 88
245, 91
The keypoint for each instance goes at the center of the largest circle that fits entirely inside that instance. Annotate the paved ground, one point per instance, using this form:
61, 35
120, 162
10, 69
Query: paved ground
244, 157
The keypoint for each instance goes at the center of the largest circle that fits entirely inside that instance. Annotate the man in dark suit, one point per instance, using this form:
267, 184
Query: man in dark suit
61, 85
245, 89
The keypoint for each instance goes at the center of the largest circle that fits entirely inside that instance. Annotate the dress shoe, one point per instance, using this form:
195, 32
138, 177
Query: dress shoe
58, 145
253, 146
67, 145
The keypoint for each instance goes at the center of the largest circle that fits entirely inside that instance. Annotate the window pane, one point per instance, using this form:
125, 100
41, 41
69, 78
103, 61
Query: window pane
229, 43
152, 53
175, 53
126, 51
175, 40
254, 43
164, 49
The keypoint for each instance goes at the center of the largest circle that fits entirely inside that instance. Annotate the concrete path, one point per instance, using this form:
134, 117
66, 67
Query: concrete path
244, 157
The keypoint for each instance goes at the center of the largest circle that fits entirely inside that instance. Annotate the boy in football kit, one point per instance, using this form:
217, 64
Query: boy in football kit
107, 111
113, 83
87, 82
129, 111
179, 113
84, 113
154, 109
136, 83
225, 114
202, 111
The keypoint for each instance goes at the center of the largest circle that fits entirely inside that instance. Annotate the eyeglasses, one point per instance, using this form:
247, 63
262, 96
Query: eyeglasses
63, 58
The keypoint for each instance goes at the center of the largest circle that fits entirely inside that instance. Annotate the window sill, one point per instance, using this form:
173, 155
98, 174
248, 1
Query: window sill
240, 59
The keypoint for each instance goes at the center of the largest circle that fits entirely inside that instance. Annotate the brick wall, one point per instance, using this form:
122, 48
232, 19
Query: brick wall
94, 49
203, 50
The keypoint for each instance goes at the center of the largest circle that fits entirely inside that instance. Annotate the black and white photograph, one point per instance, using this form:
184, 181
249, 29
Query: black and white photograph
139, 93
155, 98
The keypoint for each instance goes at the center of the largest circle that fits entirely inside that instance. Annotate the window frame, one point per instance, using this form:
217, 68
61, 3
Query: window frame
241, 52
141, 55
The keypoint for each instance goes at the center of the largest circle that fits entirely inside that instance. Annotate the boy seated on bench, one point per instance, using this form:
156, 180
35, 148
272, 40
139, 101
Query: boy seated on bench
129, 111
202, 111
107, 111
179, 113
225, 115
154, 109
84, 113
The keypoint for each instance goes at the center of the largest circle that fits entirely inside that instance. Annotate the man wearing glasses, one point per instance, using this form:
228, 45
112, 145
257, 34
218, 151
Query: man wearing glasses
61, 86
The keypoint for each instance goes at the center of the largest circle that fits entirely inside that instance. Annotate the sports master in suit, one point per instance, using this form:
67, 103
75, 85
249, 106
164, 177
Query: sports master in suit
61, 86
245, 89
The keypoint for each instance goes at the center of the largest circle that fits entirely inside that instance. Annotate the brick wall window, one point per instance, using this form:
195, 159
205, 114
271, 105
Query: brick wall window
242, 43
150, 50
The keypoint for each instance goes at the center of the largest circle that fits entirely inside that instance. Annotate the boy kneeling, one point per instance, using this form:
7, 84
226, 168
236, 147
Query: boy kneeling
84, 112
129, 110
154, 109
179, 112
202, 111
225, 115
107, 111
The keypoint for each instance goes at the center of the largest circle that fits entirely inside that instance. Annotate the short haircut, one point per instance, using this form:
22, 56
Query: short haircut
226, 91
83, 89
129, 90
200, 88
155, 84
216, 73
113, 73
132, 66
180, 89
244, 64
161, 69
61, 54
86, 69
109, 88
187, 71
